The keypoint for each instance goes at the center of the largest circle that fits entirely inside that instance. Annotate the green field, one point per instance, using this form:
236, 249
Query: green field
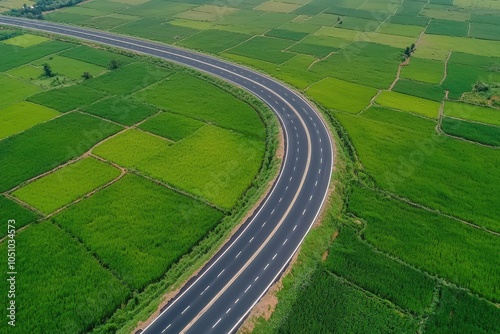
12, 210
359, 263
123, 110
13, 56
68, 98
26, 40
472, 112
420, 89
22, 116
425, 70
150, 227
15, 90
69, 67
171, 126
66, 184
273, 46
48, 257
481, 133
44, 147
409, 103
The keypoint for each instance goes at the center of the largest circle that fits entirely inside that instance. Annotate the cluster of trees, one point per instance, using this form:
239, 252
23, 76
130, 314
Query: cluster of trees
36, 11
408, 51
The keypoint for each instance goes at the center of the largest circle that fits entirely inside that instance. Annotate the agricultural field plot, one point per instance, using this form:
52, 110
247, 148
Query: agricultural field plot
150, 227
461, 78
26, 40
376, 65
481, 133
128, 79
69, 18
359, 263
409, 103
67, 98
22, 116
123, 110
341, 95
472, 112
155, 29
400, 29
14, 56
438, 46
11, 4
12, 210
422, 166
280, 7
286, 34
48, 257
425, 70
95, 56
15, 90
68, 67
212, 104
420, 89
459, 312
171, 126
213, 41
448, 28
429, 241
66, 184
327, 304
264, 48
485, 31
47, 145
131, 147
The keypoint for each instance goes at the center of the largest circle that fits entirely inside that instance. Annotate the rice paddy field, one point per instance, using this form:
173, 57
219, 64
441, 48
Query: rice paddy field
410, 241
81, 156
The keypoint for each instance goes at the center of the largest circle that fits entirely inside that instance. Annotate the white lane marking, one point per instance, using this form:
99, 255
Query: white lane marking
217, 323
296, 158
237, 255
272, 211
319, 172
264, 224
256, 278
248, 288
221, 272
320, 140
304, 212
314, 123
295, 128
294, 227
291, 177
280, 199
251, 240
286, 188
310, 118
229, 309
283, 108
185, 309
310, 198
321, 150
163, 331
293, 99
205, 290
284, 242
294, 167
237, 300
275, 256
321, 161
297, 150
316, 183
291, 121
267, 265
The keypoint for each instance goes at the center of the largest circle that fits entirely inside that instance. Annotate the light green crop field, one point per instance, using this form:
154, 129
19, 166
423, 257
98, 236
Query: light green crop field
68, 67
22, 116
425, 70
67, 184
26, 40
341, 95
171, 126
15, 90
409, 103
472, 112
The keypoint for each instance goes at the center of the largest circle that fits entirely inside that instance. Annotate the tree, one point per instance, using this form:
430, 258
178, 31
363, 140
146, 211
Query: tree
114, 64
47, 71
480, 87
407, 52
86, 75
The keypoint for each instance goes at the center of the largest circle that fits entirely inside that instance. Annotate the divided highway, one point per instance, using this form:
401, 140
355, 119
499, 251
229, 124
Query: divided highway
226, 289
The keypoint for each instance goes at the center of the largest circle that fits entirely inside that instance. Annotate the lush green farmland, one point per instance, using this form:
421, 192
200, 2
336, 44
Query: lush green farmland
151, 227
14, 56
66, 184
411, 234
26, 40
68, 98
214, 105
69, 67
425, 70
63, 288
48, 145
472, 112
15, 90
95, 56
171, 126
123, 110
273, 46
327, 304
214, 41
22, 116
359, 263
409, 103
420, 89
12, 210
481, 133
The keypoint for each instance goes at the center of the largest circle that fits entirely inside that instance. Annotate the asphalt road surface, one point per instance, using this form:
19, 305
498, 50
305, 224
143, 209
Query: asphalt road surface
226, 289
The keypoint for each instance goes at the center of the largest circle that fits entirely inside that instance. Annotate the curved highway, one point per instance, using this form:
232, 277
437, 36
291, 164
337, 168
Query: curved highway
226, 289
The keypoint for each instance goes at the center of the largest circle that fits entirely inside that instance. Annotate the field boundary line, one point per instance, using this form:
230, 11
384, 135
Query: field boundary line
445, 70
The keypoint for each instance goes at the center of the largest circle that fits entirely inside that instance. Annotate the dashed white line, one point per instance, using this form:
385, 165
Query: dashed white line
264, 224
284, 242
237, 300
291, 177
256, 278
251, 240
275, 256
229, 309
185, 309
217, 323
267, 265
204, 290
316, 183
272, 211
248, 288
319, 172
237, 255
294, 227
310, 198
163, 331
281, 198
286, 188
304, 212
221, 272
